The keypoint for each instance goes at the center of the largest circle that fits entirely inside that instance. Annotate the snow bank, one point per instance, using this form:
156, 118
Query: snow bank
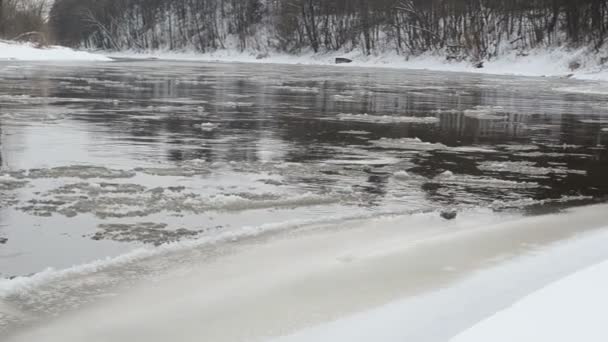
438, 316
541, 62
572, 309
28, 52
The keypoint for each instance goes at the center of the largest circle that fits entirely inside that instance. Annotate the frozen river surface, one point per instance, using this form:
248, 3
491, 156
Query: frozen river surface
135, 158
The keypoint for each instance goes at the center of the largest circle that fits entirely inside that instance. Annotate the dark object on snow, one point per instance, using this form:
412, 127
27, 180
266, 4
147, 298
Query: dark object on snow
262, 56
341, 60
3, 241
478, 65
574, 65
449, 214
604, 60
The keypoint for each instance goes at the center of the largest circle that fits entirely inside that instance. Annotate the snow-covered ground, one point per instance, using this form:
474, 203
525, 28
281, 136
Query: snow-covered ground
28, 52
572, 309
330, 283
550, 63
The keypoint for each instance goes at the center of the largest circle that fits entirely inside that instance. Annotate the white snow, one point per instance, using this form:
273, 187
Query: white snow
572, 309
254, 289
541, 62
440, 315
28, 52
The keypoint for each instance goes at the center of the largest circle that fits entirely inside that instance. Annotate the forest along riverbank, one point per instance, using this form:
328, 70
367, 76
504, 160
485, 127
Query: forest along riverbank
135, 160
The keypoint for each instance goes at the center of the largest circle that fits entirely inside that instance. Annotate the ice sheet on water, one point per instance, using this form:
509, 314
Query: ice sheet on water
143, 232
416, 144
450, 178
595, 121
539, 154
514, 147
297, 89
234, 104
53, 291
592, 89
208, 126
40, 100
528, 202
73, 171
526, 168
485, 113
344, 98
8, 185
354, 132
355, 161
386, 119
124, 200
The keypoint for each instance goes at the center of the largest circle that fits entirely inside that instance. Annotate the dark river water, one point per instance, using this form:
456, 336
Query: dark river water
100, 159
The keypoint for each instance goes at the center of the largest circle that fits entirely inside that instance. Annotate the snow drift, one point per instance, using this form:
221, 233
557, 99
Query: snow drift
29, 52
572, 309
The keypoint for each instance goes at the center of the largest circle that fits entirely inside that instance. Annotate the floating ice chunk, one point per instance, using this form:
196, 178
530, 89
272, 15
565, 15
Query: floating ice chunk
415, 144
485, 113
519, 147
354, 161
409, 144
344, 98
465, 181
402, 175
527, 202
564, 146
386, 119
594, 121
295, 89
232, 104
472, 149
208, 126
527, 168
446, 174
594, 89
355, 132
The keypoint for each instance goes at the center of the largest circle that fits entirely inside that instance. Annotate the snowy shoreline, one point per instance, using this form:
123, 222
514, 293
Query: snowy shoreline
575, 304
12, 51
540, 63
346, 270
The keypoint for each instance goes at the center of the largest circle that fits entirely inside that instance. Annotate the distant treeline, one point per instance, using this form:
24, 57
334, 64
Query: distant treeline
23, 19
478, 28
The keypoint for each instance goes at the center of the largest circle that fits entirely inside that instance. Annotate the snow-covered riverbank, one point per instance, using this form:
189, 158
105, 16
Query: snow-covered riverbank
549, 63
572, 309
274, 286
28, 52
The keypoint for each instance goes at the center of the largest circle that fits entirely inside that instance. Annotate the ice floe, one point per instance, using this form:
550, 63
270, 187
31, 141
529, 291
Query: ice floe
386, 119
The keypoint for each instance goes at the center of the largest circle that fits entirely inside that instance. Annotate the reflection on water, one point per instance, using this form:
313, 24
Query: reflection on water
100, 157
